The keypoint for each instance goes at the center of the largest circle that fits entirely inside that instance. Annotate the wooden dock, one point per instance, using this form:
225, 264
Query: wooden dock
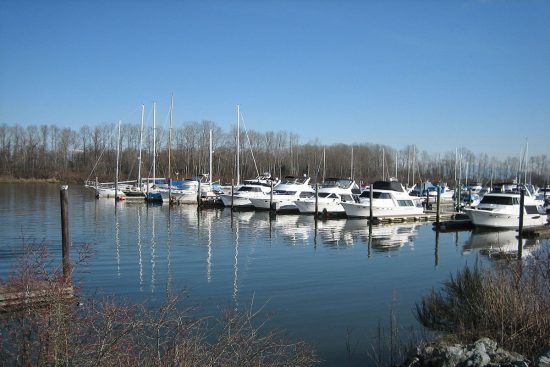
427, 216
539, 232
13, 300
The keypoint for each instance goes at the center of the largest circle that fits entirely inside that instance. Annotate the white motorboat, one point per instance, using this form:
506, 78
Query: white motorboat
332, 193
255, 188
389, 200
501, 210
187, 191
285, 194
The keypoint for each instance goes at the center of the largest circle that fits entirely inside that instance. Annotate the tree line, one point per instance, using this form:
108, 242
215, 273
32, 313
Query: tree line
67, 154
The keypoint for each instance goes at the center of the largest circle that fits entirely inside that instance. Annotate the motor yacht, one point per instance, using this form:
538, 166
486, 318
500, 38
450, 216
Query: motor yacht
285, 194
501, 209
331, 193
389, 200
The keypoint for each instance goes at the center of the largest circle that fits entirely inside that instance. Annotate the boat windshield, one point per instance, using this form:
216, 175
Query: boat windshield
499, 200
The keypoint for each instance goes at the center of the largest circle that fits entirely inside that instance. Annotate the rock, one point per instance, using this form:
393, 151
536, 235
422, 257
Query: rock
543, 360
483, 353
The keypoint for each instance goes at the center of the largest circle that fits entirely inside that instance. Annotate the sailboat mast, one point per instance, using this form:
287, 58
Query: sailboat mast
140, 145
238, 143
351, 163
324, 163
383, 168
117, 160
170, 148
154, 140
170, 141
210, 165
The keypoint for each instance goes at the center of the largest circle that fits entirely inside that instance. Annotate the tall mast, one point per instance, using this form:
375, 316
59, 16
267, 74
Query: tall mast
140, 145
396, 164
170, 149
154, 140
238, 143
117, 160
351, 162
383, 168
210, 168
170, 141
324, 163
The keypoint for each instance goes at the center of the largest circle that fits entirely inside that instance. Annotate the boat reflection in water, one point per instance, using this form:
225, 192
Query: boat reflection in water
499, 244
346, 232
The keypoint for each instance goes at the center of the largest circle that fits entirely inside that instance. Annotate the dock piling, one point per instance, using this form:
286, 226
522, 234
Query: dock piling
520, 229
64, 199
370, 203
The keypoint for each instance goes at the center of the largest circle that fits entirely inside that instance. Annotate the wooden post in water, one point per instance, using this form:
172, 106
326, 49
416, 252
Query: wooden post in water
437, 205
470, 197
316, 199
458, 197
520, 229
427, 202
64, 198
271, 196
199, 194
370, 204
232, 193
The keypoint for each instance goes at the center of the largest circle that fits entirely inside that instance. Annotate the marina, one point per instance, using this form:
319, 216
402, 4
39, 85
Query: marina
321, 279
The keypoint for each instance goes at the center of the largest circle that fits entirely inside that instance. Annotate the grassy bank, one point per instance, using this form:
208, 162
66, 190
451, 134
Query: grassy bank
509, 303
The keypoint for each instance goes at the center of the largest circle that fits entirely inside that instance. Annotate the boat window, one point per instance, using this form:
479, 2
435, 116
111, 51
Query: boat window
346, 198
364, 194
307, 194
250, 189
405, 203
323, 194
498, 200
333, 196
531, 209
284, 192
381, 195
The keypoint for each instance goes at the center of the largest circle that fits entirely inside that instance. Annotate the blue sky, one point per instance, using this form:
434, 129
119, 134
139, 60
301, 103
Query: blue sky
438, 74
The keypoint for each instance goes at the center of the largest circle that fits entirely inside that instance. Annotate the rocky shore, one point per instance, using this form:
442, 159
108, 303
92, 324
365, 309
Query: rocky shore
484, 352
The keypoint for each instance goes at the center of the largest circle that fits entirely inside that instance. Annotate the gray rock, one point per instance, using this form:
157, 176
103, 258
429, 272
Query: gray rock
544, 359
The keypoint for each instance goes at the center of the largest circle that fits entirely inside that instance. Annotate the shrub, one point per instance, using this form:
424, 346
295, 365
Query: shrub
509, 303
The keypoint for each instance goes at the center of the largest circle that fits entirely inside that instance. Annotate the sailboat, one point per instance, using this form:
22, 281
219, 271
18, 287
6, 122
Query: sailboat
153, 195
136, 191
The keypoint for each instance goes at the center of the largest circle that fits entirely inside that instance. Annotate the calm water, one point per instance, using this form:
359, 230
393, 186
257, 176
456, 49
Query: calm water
320, 280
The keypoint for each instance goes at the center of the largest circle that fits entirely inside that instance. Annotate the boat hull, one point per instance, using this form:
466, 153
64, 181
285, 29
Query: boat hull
485, 218
358, 210
323, 206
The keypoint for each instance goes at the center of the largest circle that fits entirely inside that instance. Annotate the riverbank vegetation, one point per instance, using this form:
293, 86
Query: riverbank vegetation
102, 331
509, 303
51, 152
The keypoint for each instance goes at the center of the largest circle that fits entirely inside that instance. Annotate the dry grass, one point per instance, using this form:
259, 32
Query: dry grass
104, 332
509, 303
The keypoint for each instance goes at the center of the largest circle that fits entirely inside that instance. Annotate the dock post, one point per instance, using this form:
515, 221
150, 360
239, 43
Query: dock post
316, 199
470, 197
437, 205
370, 204
271, 196
64, 199
199, 195
458, 198
427, 203
232, 193
520, 229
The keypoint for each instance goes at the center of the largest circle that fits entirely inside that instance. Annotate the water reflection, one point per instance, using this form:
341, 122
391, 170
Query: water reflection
385, 238
495, 244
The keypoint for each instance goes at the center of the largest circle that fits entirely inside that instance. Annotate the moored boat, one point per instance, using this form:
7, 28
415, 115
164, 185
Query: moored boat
389, 200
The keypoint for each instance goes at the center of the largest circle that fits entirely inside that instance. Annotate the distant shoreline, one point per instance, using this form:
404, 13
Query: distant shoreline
9, 179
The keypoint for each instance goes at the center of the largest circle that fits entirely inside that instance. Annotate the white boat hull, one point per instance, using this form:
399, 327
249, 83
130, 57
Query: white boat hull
237, 200
331, 206
107, 193
277, 203
486, 218
360, 210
